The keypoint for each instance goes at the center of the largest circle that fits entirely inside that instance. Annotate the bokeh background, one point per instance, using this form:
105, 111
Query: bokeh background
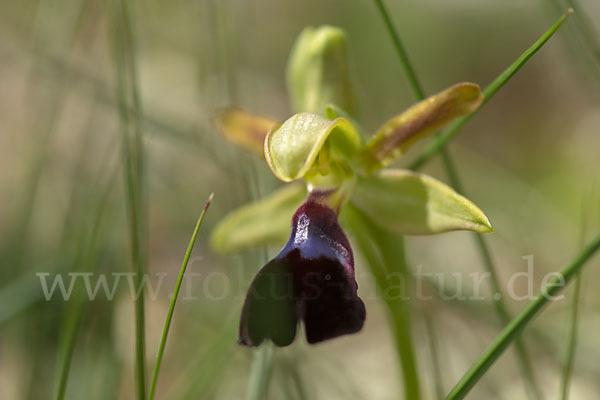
529, 159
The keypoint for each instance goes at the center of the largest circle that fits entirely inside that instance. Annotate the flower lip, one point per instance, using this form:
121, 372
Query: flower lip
311, 279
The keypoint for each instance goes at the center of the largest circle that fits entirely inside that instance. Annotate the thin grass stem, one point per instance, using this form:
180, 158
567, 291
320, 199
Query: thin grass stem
186, 258
517, 324
438, 142
411, 75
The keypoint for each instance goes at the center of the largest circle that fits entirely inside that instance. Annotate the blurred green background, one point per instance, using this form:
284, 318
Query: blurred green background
530, 159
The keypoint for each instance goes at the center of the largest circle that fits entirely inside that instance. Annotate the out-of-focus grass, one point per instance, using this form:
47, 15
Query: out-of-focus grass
524, 159
123, 46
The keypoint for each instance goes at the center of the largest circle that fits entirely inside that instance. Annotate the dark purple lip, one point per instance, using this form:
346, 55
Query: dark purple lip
310, 280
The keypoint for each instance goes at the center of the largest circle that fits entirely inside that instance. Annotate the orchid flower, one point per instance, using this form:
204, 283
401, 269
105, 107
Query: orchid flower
320, 154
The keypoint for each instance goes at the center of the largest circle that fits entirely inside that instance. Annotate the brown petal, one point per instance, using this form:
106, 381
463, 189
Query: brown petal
245, 129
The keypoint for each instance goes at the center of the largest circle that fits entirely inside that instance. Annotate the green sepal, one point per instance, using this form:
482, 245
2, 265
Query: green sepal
395, 136
292, 148
264, 222
409, 203
317, 71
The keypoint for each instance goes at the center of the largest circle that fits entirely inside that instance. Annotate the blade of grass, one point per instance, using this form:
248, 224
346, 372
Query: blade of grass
517, 324
152, 123
435, 358
70, 328
501, 308
567, 368
71, 226
437, 143
201, 377
186, 258
455, 182
573, 322
336, 375
579, 37
587, 30
132, 141
404, 60
292, 381
24, 292
76, 308
262, 368
106, 371
384, 254
17, 296
44, 126
263, 358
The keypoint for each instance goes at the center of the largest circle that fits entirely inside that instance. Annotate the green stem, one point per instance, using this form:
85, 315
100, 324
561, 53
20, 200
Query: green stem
384, 254
435, 358
186, 258
262, 368
488, 263
404, 60
75, 311
569, 361
70, 330
512, 330
438, 142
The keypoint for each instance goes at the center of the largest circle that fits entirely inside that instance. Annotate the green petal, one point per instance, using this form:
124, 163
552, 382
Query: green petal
292, 148
424, 118
408, 203
317, 71
333, 111
245, 129
264, 222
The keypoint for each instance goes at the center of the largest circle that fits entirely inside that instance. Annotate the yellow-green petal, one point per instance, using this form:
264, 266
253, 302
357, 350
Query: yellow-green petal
424, 118
409, 203
243, 128
264, 222
292, 147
